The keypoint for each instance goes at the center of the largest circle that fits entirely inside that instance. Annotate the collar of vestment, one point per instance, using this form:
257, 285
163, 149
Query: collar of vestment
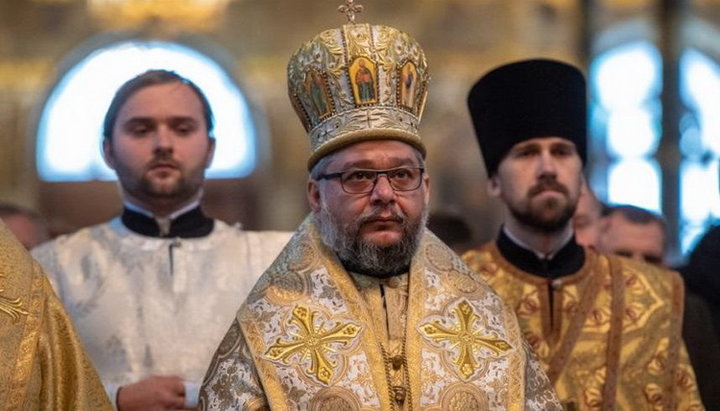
191, 224
567, 260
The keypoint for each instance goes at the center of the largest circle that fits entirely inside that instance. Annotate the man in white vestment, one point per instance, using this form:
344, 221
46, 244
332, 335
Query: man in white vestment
153, 290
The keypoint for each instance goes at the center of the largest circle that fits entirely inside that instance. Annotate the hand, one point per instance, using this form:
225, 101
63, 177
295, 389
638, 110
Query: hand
157, 393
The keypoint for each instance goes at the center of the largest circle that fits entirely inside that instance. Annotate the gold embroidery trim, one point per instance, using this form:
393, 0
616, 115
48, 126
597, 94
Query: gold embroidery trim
357, 308
673, 359
26, 351
588, 293
515, 395
314, 342
462, 335
614, 345
417, 296
274, 392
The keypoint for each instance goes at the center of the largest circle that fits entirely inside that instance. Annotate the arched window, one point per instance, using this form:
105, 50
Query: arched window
699, 145
625, 115
625, 118
70, 130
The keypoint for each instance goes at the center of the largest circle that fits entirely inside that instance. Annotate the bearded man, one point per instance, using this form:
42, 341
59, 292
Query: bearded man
152, 291
365, 308
606, 329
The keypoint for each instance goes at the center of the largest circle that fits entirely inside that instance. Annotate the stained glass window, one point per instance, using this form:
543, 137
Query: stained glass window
699, 145
626, 84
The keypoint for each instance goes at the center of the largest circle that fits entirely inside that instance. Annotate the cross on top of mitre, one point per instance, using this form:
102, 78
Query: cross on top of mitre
350, 9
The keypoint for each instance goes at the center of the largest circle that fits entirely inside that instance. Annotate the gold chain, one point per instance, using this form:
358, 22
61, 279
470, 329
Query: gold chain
397, 392
406, 377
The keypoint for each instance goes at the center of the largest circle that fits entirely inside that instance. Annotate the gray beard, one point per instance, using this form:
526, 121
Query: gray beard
365, 258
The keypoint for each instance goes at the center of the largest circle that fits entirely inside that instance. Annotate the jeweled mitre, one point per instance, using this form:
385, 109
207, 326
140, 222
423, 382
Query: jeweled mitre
358, 82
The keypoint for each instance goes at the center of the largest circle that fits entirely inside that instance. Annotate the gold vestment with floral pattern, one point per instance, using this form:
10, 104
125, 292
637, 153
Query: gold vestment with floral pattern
304, 339
611, 339
42, 364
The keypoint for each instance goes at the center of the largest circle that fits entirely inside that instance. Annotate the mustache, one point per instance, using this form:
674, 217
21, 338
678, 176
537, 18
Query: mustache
373, 215
163, 159
547, 183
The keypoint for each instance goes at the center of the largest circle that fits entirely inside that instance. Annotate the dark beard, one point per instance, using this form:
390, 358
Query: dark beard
366, 258
536, 221
181, 190
146, 190
535, 218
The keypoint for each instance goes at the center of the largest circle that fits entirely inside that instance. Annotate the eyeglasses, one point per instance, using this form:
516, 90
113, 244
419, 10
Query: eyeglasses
363, 181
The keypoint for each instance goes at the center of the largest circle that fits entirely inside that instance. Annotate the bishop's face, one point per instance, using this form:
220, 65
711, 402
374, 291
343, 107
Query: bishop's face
539, 182
376, 232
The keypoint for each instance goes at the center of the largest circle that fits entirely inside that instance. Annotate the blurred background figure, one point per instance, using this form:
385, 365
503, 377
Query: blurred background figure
633, 232
27, 225
640, 234
588, 214
452, 229
702, 272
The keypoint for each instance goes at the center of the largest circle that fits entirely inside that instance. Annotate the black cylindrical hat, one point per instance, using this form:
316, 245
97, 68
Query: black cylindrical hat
525, 100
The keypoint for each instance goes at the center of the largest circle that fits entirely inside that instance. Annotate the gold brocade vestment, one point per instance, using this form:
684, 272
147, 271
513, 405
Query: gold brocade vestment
611, 339
386, 301
42, 364
308, 338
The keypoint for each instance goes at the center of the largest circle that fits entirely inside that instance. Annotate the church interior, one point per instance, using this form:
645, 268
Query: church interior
652, 138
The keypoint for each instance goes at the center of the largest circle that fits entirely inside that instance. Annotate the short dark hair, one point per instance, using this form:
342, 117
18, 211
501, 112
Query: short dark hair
636, 215
147, 79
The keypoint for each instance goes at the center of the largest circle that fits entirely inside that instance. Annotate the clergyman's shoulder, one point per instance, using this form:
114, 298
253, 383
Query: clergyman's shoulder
659, 278
78, 240
479, 256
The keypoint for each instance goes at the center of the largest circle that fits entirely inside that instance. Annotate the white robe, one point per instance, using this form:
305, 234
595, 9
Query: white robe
148, 306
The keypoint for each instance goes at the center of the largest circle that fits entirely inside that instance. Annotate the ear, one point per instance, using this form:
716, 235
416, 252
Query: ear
602, 233
108, 154
210, 152
313, 195
604, 224
493, 187
426, 187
